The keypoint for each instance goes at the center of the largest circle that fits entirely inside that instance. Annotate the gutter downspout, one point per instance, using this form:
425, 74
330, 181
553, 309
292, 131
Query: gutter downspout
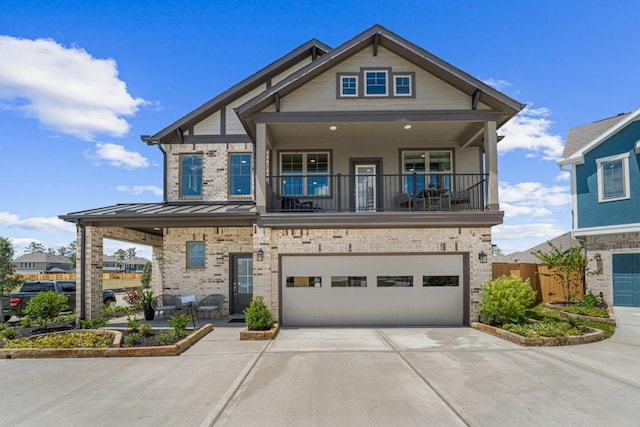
164, 172
83, 253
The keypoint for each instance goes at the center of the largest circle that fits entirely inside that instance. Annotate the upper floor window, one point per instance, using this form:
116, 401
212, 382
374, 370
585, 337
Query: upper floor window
240, 174
432, 169
375, 83
191, 175
348, 86
613, 178
305, 174
195, 254
402, 85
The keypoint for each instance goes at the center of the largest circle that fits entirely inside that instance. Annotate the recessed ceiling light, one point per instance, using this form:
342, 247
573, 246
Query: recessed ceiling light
333, 127
156, 228
407, 127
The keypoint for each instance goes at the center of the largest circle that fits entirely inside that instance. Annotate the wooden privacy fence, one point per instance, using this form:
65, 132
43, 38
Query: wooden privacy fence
548, 288
72, 276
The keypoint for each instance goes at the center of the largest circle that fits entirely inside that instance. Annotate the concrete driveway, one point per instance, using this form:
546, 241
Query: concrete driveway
335, 377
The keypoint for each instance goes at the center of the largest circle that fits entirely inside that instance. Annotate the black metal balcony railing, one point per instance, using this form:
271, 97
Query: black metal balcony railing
376, 193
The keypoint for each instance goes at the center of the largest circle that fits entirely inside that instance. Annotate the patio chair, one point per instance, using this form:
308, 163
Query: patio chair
211, 304
165, 302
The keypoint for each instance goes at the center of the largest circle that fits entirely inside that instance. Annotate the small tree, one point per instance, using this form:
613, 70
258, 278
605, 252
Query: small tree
258, 316
8, 280
569, 267
120, 256
146, 276
45, 307
35, 247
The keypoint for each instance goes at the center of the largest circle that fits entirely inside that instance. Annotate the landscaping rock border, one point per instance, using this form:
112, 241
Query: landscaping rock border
114, 351
559, 308
260, 335
596, 335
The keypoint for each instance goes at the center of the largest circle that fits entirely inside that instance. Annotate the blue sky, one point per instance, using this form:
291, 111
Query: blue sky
80, 81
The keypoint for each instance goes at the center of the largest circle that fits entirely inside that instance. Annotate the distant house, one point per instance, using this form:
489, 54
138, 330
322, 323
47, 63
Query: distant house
605, 182
563, 242
41, 262
110, 265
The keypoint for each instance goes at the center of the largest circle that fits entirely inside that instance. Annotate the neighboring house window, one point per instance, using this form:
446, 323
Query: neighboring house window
195, 254
402, 85
240, 174
304, 174
432, 169
613, 178
375, 83
348, 86
191, 175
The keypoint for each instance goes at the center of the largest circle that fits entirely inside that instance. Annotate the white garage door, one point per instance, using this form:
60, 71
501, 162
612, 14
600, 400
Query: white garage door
385, 290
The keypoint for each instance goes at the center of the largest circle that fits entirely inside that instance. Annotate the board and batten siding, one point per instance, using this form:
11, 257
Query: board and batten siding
320, 93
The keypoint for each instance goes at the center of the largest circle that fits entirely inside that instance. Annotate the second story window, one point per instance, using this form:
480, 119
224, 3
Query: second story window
304, 174
432, 169
240, 174
402, 85
375, 83
348, 86
190, 175
613, 178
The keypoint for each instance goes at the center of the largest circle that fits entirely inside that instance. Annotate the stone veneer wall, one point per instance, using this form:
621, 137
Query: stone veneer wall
607, 245
393, 241
215, 169
214, 278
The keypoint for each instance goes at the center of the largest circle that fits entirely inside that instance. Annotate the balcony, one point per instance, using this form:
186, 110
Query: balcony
364, 193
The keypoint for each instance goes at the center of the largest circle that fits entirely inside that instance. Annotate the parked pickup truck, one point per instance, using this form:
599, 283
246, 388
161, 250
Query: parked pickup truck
18, 300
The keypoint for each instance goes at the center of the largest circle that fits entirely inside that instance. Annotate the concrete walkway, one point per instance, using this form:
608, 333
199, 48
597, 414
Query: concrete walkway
336, 377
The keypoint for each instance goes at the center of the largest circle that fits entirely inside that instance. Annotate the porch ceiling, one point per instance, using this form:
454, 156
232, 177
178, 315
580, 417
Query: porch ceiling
374, 132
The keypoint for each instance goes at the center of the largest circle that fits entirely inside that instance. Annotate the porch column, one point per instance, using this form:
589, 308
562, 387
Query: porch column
491, 165
92, 266
261, 167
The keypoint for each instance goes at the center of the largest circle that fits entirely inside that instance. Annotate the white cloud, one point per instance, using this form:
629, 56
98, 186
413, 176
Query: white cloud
563, 176
532, 199
530, 130
117, 156
36, 223
139, 189
520, 237
65, 89
497, 83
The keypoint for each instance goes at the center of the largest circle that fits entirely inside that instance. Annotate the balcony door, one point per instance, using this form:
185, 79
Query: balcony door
366, 191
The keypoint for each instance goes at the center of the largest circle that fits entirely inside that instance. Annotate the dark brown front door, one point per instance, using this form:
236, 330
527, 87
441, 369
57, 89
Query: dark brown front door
241, 282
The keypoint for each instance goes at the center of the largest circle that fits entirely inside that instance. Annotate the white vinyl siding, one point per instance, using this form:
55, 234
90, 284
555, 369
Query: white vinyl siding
208, 126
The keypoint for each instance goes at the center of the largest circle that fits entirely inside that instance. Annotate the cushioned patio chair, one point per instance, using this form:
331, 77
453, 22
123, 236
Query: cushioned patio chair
165, 302
211, 304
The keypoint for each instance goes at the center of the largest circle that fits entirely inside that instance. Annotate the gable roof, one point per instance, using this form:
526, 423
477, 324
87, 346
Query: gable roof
43, 257
380, 36
168, 134
582, 139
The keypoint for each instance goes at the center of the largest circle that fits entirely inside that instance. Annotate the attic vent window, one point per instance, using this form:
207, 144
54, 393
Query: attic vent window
380, 82
375, 83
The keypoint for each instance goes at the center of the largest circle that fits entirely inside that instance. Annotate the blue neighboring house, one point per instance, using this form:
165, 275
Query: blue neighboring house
604, 160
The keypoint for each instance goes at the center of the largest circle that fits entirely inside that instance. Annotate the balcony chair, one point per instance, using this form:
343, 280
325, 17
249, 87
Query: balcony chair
294, 204
212, 305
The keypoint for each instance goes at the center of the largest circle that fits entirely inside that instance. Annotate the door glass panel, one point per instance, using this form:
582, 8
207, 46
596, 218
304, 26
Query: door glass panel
365, 188
245, 275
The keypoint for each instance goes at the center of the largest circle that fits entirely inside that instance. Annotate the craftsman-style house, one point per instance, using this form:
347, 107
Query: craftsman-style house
347, 186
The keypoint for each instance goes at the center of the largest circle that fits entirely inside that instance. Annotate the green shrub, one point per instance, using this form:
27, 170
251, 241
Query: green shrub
70, 340
179, 325
96, 323
587, 311
146, 330
133, 297
505, 300
165, 337
8, 333
107, 310
131, 339
45, 307
543, 329
66, 318
258, 315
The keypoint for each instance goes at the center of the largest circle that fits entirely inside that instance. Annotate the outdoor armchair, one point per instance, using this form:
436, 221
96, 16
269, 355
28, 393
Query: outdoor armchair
165, 302
211, 304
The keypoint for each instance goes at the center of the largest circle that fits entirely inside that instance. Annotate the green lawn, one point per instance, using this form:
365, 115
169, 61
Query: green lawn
120, 283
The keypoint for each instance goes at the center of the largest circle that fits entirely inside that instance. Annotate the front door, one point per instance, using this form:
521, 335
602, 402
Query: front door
241, 282
366, 189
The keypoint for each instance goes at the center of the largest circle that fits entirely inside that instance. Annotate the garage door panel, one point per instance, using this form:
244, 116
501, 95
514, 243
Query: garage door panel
626, 280
372, 305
